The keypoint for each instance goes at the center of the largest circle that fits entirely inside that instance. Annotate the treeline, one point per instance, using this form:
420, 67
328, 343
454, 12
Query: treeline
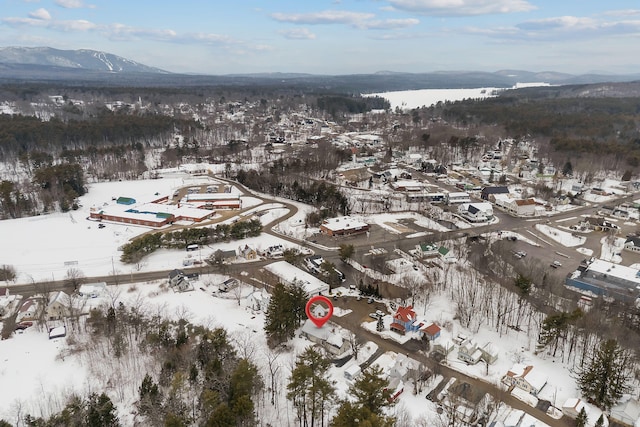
603, 126
144, 245
53, 186
327, 198
341, 104
19, 134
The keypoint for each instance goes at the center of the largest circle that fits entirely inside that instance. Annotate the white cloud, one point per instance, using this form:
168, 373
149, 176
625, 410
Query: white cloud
562, 28
324, 17
297, 34
70, 4
388, 24
462, 7
41, 13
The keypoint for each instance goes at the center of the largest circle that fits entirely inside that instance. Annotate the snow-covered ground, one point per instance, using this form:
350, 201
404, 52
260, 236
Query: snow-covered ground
409, 99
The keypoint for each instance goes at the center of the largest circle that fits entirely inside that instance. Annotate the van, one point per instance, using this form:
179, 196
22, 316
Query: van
192, 247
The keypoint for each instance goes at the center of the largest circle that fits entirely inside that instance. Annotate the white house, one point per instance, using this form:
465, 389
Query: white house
476, 212
626, 413
329, 337
515, 206
526, 378
352, 372
258, 300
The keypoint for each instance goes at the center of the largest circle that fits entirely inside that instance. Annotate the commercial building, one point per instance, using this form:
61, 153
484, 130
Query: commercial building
343, 225
606, 279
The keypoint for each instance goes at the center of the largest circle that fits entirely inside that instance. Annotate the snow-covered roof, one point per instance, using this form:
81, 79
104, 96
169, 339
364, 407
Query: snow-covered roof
200, 197
533, 376
328, 333
291, 274
343, 222
615, 270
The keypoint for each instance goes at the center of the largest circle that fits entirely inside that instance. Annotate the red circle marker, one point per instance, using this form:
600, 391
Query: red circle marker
314, 315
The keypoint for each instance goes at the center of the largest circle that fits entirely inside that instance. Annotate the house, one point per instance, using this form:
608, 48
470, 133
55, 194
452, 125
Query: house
175, 276
469, 402
469, 352
431, 332
226, 255
515, 206
526, 378
489, 353
446, 254
248, 253
328, 337
476, 212
343, 226
425, 249
443, 346
598, 224
404, 368
58, 306
404, 320
632, 244
27, 311
457, 197
487, 192
626, 413
273, 252
258, 300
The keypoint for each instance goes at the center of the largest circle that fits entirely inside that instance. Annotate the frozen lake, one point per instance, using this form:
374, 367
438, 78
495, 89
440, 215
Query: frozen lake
408, 99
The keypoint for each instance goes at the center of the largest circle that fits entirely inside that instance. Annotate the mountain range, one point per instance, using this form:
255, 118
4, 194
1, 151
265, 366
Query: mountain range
78, 67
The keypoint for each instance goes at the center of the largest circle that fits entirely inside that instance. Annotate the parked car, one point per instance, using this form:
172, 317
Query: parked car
370, 300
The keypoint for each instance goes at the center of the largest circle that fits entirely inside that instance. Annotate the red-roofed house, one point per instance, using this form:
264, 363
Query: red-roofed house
405, 320
431, 332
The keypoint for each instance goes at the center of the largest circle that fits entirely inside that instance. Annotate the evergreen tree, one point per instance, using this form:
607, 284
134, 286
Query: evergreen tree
284, 313
567, 169
600, 421
371, 399
380, 324
581, 419
309, 389
607, 374
101, 411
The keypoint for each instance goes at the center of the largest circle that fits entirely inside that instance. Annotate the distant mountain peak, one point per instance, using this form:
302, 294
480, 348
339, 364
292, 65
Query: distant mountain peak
81, 59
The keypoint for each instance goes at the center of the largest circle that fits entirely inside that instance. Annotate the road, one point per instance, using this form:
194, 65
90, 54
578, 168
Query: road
414, 349
360, 309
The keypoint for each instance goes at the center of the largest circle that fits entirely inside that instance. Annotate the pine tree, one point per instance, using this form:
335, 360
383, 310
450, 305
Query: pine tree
600, 421
606, 376
284, 313
309, 389
581, 419
371, 399
380, 324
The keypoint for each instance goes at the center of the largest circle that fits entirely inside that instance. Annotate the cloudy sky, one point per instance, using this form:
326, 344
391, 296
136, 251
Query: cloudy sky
338, 36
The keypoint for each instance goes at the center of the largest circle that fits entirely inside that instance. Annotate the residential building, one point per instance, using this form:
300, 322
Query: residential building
446, 254
487, 192
431, 332
248, 253
525, 377
476, 212
457, 198
489, 353
405, 320
58, 306
626, 413
468, 401
632, 244
469, 352
515, 206
329, 337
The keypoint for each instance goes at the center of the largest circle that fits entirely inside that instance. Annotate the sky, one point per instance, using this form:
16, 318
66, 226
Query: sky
338, 36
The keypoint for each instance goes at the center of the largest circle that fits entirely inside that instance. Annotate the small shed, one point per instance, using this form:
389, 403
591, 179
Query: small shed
352, 372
